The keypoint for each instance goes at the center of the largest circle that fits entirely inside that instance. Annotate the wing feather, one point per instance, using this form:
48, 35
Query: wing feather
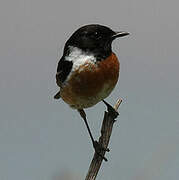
63, 70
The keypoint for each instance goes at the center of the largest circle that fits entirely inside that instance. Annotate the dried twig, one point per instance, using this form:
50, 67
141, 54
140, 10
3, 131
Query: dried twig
106, 130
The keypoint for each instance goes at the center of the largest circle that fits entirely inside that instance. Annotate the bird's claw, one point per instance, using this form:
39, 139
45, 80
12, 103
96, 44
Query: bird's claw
99, 149
111, 110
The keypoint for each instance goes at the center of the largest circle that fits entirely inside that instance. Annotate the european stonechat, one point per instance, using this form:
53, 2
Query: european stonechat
88, 70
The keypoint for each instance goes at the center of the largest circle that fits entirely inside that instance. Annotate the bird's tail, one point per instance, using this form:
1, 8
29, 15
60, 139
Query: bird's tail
57, 96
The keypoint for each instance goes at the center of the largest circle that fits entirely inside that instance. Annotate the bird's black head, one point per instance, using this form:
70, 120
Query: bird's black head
94, 39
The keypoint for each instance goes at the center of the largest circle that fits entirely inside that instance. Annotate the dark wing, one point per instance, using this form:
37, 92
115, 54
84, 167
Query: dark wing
63, 70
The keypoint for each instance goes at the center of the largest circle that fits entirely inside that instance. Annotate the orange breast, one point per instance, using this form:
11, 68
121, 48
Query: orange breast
91, 83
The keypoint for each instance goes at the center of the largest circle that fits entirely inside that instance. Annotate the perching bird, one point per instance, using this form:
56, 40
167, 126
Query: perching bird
88, 70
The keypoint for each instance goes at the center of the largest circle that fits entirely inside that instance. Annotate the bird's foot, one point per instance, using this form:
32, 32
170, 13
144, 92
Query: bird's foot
111, 110
99, 149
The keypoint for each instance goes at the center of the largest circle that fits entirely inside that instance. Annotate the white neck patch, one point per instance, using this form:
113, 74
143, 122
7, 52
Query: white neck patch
79, 57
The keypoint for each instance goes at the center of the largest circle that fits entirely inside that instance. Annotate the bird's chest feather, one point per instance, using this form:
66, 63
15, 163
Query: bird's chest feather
91, 81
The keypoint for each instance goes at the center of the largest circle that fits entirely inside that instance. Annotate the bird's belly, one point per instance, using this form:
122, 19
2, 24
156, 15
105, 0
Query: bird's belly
91, 83
84, 101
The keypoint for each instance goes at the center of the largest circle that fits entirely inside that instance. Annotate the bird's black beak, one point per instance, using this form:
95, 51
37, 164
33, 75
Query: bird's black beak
119, 34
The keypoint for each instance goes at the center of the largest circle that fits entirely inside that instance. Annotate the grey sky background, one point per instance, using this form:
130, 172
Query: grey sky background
43, 139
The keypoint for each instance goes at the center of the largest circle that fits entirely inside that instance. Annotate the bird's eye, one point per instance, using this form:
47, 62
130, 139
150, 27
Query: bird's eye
95, 35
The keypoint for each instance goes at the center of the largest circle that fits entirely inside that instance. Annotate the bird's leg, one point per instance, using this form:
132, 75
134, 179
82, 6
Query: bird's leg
111, 110
96, 145
83, 115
